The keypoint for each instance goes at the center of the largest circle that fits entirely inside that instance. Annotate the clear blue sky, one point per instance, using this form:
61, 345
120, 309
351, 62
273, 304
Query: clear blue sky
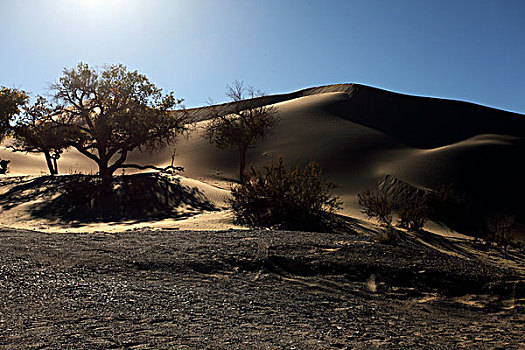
467, 50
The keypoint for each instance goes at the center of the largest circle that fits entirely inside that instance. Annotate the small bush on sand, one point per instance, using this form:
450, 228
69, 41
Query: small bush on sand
375, 205
413, 214
297, 199
449, 208
500, 227
390, 236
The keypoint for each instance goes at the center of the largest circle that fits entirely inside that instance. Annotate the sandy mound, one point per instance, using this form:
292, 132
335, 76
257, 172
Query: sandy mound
73, 203
359, 135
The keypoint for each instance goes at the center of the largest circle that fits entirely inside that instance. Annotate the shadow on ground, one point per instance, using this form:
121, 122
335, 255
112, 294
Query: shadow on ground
79, 198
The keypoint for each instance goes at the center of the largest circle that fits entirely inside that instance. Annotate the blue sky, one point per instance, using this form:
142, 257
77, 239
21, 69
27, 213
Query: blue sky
466, 50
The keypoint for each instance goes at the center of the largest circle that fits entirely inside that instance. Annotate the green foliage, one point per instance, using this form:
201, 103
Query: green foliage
240, 129
297, 199
243, 128
111, 112
36, 132
376, 205
11, 102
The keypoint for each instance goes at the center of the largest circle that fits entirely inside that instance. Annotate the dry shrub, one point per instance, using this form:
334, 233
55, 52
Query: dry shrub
413, 214
376, 205
296, 199
450, 208
390, 236
501, 228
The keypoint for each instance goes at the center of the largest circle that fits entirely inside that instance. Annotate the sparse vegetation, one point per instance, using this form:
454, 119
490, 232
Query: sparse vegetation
448, 207
376, 206
35, 132
298, 199
4, 166
413, 213
11, 103
243, 128
501, 228
391, 235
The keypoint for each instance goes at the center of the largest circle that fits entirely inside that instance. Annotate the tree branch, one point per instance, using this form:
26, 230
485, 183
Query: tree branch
85, 152
170, 168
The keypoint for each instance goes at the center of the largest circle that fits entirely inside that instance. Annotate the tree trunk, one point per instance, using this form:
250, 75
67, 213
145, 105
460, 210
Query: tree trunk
105, 196
56, 165
242, 168
49, 161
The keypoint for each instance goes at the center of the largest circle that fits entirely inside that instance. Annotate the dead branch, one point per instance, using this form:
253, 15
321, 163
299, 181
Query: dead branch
168, 169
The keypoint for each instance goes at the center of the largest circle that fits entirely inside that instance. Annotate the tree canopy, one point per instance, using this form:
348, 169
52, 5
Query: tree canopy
243, 128
110, 112
36, 132
11, 102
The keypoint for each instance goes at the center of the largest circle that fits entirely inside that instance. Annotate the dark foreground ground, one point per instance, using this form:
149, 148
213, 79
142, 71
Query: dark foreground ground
253, 289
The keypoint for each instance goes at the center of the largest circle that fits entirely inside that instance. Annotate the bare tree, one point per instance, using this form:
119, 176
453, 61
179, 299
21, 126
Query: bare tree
242, 128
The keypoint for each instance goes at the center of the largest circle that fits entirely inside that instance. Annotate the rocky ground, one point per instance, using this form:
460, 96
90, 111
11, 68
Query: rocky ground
255, 289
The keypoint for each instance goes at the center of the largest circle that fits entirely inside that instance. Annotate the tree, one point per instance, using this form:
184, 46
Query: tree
299, 198
110, 112
11, 102
36, 132
242, 128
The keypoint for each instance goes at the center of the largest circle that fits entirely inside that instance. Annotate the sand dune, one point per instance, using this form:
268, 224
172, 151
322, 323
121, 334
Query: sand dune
359, 135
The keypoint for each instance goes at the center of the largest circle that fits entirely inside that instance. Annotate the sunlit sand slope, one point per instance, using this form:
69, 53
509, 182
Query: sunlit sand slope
358, 134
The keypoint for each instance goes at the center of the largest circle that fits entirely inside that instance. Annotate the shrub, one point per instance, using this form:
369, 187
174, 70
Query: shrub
376, 205
449, 208
297, 199
500, 227
413, 213
390, 236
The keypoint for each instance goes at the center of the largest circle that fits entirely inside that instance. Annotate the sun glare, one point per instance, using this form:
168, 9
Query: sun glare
100, 10
99, 5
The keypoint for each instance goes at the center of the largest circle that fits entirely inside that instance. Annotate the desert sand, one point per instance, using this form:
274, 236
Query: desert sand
362, 137
359, 135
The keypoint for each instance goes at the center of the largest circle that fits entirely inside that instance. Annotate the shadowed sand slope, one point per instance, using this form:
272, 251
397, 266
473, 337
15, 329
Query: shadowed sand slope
358, 134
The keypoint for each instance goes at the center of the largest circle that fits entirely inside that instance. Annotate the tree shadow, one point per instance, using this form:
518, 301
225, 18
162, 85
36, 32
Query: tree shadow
347, 224
28, 189
80, 198
440, 243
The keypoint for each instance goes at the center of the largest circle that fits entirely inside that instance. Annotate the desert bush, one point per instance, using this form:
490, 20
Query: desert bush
391, 235
4, 166
448, 207
298, 199
413, 213
500, 227
376, 205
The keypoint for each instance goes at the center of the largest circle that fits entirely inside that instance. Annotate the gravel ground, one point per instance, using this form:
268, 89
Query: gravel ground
251, 289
